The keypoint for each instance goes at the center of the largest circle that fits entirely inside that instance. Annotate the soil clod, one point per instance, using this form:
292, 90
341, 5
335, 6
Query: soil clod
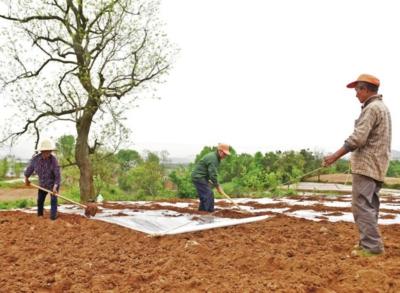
91, 210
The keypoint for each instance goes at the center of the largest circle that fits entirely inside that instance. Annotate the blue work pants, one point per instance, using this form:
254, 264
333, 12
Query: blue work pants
40, 204
206, 196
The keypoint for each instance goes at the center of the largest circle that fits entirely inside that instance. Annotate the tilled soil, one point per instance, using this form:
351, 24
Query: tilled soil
280, 254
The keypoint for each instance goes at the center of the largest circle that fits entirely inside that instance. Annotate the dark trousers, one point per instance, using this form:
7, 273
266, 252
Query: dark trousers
40, 204
206, 196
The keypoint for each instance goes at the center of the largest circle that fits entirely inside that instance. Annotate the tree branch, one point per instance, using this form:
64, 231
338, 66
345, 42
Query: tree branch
31, 18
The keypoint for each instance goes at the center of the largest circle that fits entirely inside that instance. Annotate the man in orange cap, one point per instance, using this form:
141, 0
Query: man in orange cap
370, 146
205, 173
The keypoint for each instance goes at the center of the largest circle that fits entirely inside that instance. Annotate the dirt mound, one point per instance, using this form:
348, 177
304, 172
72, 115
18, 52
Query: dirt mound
281, 254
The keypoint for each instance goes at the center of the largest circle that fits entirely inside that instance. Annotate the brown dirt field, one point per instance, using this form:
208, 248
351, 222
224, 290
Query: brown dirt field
281, 254
17, 193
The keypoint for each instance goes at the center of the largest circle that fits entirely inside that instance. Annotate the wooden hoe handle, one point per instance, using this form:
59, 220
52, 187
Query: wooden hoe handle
231, 200
59, 195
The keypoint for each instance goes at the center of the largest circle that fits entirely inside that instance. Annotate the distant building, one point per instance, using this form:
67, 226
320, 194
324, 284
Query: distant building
15, 166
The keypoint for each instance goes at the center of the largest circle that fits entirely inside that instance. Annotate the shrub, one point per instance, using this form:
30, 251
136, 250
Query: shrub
183, 181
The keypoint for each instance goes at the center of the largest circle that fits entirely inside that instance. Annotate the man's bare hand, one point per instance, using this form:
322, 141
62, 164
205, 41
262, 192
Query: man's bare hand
329, 160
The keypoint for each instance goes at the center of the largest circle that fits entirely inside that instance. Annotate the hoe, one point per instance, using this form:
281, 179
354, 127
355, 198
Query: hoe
90, 209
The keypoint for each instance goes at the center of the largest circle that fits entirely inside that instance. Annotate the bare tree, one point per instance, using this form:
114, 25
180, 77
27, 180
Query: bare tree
86, 62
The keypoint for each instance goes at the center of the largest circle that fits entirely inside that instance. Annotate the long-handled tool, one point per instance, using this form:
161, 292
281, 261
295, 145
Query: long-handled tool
304, 175
234, 203
90, 209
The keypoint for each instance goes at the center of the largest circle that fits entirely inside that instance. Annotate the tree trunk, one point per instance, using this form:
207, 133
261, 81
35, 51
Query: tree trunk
86, 185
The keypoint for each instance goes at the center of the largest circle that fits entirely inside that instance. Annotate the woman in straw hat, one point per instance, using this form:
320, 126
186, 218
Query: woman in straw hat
45, 165
205, 174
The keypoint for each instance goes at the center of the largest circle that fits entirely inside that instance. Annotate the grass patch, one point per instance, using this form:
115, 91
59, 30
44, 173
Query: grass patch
114, 193
17, 204
236, 191
4, 184
392, 186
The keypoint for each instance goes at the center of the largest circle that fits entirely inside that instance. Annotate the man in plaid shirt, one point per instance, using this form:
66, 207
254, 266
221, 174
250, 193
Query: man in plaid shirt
45, 165
370, 146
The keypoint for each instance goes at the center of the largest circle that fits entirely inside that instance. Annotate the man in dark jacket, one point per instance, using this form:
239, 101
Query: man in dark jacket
204, 176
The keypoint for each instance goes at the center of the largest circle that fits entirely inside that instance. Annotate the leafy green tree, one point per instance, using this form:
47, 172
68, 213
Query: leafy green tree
270, 161
235, 166
255, 179
342, 166
65, 147
272, 181
70, 176
204, 152
3, 168
92, 60
105, 166
152, 157
18, 168
311, 161
289, 165
146, 178
182, 179
394, 169
128, 159
259, 160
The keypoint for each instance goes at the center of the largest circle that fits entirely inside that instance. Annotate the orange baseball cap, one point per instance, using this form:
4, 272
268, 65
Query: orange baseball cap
225, 148
365, 78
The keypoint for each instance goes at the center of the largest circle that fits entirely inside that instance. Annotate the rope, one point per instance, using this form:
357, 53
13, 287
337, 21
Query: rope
302, 176
348, 175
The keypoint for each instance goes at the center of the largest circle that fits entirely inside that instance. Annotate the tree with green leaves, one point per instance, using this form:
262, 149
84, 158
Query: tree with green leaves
128, 159
83, 62
3, 168
145, 179
182, 178
65, 149
394, 169
18, 168
205, 151
105, 166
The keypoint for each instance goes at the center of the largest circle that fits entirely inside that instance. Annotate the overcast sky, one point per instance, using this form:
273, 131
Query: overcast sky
267, 75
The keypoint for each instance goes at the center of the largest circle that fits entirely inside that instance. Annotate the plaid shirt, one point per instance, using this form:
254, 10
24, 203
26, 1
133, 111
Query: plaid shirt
47, 170
371, 140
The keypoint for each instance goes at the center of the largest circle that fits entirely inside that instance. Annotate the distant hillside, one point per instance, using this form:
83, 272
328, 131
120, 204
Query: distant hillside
181, 160
395, 155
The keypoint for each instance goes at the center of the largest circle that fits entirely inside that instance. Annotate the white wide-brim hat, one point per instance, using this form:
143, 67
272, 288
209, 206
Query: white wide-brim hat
46, 145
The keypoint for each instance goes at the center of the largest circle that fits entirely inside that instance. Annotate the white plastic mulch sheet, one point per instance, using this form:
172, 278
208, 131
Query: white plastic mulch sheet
167, 222
343, 201
162, 222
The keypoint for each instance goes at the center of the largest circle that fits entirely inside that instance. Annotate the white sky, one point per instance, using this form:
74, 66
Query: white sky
267, 75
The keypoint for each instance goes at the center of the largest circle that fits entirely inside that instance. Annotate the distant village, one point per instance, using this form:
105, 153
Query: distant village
12, 167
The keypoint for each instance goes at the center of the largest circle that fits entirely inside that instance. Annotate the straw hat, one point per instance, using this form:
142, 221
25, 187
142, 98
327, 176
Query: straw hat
224, 147
46, 145
365, 78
